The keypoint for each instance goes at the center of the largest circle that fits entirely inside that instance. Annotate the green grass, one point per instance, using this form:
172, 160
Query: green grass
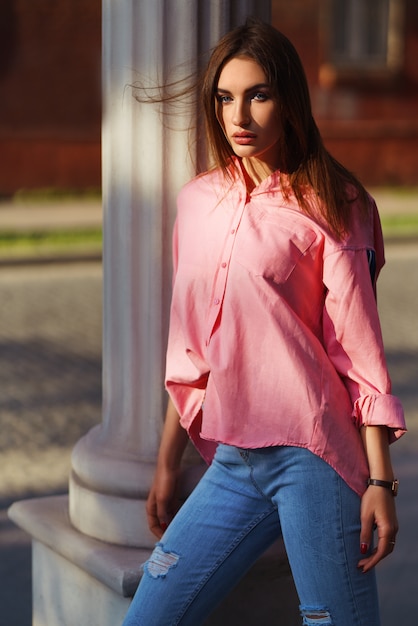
403, 191
47, 243
400, 224
52, 194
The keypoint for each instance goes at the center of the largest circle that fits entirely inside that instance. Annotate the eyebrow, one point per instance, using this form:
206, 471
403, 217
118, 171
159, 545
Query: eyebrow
253, 88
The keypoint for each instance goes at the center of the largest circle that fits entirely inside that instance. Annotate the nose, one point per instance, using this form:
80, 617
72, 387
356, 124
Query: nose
241, 115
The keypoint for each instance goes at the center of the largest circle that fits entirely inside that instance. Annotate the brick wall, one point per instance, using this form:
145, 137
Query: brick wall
50, 94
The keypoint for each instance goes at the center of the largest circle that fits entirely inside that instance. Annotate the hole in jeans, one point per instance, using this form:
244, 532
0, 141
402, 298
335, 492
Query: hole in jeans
316, 617
160, 562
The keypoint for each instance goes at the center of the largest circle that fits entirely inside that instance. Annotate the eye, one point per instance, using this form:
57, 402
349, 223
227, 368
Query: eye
260, 96
223, 99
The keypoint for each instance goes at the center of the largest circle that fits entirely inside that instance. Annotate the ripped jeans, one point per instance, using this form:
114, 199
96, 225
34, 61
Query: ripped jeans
244, 502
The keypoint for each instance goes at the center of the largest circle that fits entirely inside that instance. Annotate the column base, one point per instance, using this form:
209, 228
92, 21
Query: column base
80, 580
108, 492
112, 518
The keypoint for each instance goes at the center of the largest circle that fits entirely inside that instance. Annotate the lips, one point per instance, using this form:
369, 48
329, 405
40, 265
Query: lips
244, 138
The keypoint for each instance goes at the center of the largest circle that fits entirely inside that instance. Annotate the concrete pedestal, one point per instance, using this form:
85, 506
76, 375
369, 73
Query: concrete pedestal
76, 580
82, 581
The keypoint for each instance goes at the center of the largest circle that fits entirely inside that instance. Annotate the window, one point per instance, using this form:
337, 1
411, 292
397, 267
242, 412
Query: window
365, 35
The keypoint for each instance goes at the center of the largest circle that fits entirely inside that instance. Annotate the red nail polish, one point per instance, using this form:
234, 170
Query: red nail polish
163, 526
363, 548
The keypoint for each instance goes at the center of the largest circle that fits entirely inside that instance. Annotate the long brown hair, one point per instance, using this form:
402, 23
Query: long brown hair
306, 165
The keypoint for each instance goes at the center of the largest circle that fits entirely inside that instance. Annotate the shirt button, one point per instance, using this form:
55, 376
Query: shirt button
223, 265
232, 231
216, 301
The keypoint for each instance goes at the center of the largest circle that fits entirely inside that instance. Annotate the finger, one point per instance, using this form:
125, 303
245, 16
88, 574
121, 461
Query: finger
153, 521
164, 513
155, 528
384, 547
366, 533
155, 524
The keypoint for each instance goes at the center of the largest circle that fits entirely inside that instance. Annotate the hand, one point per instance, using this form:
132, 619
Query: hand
377, 511
162, 503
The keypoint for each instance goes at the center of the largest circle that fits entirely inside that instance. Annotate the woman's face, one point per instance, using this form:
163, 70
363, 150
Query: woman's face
247, 111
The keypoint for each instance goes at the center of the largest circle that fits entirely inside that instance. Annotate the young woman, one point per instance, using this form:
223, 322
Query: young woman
275, 362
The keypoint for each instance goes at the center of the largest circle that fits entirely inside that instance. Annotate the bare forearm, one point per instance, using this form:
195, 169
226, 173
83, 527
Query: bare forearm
376, 445
377, 504
173, 441
162, 502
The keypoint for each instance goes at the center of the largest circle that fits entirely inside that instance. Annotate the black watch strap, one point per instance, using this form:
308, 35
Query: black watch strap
391, 485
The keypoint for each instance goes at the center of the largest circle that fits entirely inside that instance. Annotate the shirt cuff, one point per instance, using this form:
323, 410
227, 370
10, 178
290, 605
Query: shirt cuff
381, 410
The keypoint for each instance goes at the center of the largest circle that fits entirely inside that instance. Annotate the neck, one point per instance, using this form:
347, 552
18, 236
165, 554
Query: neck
256, 171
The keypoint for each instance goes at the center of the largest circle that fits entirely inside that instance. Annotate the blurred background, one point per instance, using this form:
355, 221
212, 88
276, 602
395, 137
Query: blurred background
359, 55
360, 58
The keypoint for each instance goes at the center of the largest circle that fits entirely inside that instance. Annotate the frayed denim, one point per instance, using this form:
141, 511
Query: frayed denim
244, 502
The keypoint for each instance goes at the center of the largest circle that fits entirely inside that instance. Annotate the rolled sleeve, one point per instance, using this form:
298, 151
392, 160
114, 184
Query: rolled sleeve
375, 410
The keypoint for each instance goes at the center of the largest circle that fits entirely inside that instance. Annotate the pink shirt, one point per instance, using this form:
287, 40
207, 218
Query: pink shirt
274, 333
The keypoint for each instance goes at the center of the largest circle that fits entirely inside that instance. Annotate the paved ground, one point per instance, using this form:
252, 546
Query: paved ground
20, 216
398, 303
50, 394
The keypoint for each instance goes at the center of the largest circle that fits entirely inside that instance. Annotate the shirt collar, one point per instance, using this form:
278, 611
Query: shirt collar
270, 184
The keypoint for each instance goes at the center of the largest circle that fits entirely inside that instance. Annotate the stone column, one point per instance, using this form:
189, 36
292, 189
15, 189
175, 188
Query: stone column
145, 161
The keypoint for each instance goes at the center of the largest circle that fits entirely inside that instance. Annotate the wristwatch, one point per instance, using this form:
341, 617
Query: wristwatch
391, 485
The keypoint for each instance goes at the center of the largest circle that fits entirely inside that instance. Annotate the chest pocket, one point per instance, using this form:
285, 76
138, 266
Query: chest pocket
271, 249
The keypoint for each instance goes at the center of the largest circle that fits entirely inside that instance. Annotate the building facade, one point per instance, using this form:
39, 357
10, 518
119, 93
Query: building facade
359, 55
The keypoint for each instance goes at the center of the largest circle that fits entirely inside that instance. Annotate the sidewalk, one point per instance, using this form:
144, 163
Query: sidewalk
47, 216
392, 202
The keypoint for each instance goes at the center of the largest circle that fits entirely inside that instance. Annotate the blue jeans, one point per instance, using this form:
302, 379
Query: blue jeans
244, 502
